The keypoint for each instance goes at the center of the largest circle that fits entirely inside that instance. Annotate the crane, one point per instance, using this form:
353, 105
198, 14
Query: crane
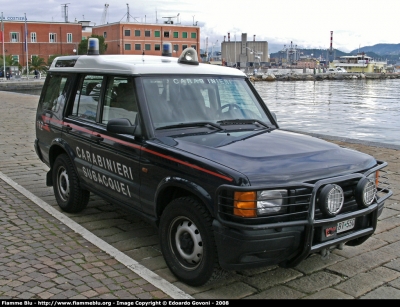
103, 18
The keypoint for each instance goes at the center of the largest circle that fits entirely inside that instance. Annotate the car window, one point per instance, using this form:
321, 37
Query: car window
120, 99
55, 94
87, 97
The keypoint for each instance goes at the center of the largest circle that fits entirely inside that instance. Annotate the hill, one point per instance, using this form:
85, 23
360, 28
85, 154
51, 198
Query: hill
381, 49
389, 52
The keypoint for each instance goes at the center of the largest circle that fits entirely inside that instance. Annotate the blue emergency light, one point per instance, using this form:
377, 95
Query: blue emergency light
93, 46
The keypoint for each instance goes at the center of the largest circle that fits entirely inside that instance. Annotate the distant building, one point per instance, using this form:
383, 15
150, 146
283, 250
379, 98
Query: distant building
138, 38
244, 53
307, 63
86, 29
45, 39
41, 39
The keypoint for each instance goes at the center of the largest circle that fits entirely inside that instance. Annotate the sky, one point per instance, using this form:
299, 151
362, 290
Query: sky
305, 23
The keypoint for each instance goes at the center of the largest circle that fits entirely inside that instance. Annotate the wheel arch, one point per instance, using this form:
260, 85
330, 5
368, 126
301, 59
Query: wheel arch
171, 188
58, 147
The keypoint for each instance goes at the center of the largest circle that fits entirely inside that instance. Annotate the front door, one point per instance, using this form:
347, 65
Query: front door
115, 158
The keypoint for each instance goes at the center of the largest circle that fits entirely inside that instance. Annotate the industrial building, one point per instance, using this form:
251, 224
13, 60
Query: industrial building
244, 53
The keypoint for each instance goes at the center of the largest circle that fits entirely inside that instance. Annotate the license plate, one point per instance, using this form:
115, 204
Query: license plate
345, 225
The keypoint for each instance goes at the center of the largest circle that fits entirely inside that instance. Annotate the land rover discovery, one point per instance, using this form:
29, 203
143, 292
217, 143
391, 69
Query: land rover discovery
194, 150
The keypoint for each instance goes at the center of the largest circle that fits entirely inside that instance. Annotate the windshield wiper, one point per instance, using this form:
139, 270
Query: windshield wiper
243, 122
193, 124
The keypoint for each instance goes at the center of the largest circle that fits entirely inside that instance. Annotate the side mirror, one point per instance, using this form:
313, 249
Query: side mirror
120, 126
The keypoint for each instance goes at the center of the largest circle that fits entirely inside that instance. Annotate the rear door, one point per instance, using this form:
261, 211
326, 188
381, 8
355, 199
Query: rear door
79, 124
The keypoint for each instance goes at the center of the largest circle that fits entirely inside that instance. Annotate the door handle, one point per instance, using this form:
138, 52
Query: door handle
97, 138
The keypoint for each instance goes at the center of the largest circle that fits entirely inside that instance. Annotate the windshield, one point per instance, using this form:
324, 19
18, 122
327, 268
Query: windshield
201, 99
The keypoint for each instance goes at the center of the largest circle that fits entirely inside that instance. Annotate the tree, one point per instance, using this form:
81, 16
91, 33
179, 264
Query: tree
38, 64
83, 45
9, 60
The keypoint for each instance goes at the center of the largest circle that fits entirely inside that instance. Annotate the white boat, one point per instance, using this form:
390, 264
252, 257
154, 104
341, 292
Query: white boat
360, 63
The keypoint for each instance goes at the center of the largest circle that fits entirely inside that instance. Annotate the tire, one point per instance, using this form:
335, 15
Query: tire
69, 195
187, 242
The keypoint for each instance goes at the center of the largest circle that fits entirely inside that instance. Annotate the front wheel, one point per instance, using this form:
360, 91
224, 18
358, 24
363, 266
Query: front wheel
69, 195
187, 242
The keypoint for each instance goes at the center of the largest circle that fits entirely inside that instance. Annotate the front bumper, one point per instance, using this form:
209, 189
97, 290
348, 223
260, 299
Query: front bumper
287, 243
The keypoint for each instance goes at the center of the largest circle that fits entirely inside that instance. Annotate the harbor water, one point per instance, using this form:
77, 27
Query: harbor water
361, 110
364, 110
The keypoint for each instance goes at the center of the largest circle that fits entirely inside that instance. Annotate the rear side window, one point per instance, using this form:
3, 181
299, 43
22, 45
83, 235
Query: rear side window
55, 94
87, 97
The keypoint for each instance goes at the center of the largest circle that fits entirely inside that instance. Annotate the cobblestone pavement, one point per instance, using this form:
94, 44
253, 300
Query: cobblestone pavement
42, 258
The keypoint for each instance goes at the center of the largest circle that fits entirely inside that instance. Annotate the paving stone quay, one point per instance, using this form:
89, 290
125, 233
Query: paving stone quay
41, 258
44, 257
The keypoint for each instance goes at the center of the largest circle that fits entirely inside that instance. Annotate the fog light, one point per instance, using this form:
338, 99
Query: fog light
331, 199
365, 192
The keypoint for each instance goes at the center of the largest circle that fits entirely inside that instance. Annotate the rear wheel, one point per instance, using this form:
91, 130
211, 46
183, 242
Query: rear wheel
69, 195
187, 242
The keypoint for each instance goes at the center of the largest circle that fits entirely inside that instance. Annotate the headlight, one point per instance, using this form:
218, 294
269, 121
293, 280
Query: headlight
366, 191
271, 202
253, 204
331, 199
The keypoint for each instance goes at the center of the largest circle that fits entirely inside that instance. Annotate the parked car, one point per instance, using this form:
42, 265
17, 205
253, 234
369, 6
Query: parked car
337, 70
193, 149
